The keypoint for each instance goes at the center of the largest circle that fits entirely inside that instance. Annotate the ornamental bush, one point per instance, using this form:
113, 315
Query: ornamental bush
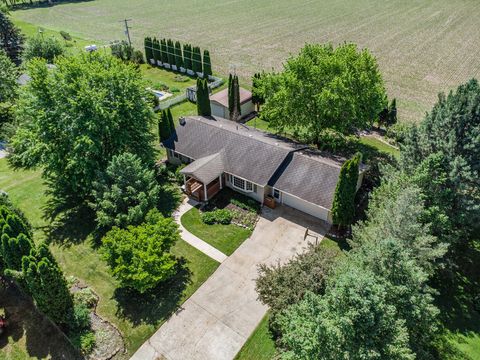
219, 216
139, 256
47, 48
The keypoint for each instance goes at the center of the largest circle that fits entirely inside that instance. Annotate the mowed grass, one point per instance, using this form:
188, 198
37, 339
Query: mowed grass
173, 80
423, 47
226, 238
136, 317
260, 345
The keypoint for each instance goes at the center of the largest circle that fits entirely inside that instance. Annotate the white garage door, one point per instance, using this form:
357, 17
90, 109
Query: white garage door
306, 207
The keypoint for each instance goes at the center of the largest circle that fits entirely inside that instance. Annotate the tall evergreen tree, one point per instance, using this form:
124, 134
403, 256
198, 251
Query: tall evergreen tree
392, 113
13, 249
171, 123
258, 98
207, 65
47, 285
156, 50
237, 110
187, 56
11, 40
230, 95
196, 60
343, 208
170, 52
164, 51
203, 98
178, 55
164, 126
148, 48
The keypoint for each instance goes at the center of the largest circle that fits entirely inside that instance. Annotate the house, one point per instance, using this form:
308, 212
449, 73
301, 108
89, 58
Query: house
219, 104
220, 153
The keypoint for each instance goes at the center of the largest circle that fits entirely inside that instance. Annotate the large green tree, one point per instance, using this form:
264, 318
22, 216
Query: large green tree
203, 98
324, 88
76, 117
11, 40
442, 153
139, 256
8, 89
125, 192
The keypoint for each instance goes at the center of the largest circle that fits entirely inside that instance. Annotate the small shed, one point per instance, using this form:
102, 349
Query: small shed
219, 103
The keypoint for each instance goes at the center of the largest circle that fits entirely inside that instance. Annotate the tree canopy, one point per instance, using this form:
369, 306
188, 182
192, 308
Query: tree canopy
125, 192
139, 256
8, 78
76, 117
324, 88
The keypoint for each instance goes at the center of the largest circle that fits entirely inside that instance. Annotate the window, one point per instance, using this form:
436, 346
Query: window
276, 194
241, 184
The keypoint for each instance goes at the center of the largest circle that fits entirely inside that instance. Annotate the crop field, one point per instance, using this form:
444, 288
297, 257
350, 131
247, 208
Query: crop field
423, 46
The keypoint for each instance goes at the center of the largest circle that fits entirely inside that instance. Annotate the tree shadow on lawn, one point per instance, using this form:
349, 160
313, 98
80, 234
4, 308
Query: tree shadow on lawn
156, 305
71, 227
42, 338
459, 293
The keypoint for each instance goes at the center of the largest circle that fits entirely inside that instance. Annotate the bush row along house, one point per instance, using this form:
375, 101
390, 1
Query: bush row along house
220, 153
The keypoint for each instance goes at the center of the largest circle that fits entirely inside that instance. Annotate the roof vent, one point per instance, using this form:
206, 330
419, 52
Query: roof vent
181, 120
276, 144
250, 135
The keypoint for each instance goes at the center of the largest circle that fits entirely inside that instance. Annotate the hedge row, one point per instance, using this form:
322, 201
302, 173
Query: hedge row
174, 56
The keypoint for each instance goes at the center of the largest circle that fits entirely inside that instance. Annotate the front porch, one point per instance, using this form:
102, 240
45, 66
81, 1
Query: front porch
202, 192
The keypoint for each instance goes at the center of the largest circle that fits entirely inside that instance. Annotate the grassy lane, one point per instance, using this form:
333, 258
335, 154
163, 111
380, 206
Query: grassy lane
226, 238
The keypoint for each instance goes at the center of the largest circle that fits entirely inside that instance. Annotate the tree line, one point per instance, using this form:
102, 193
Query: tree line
165, 52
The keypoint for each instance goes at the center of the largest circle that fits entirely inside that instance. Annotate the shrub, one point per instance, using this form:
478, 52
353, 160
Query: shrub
80, 319
247, 204
84, 341
85, 297
47, 48
180, 78
65, 35
220, 216
175, 90
398, 132
139, 256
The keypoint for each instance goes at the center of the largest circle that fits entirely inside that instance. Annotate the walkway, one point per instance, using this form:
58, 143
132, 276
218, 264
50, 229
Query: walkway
196, 242
218, 318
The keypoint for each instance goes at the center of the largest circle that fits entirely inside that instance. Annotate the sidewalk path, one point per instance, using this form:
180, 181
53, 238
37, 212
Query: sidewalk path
215, 322
196, 242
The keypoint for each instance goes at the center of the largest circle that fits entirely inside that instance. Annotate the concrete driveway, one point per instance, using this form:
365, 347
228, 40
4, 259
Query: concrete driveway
218, 318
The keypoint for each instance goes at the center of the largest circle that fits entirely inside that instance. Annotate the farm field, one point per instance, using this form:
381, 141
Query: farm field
423, 47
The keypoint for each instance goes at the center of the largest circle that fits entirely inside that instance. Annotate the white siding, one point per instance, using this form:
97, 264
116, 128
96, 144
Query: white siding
306, 207
258, 195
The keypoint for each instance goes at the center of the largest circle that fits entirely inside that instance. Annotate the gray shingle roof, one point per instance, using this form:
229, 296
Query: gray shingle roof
258, 157
250, 154
308, 177
206, 169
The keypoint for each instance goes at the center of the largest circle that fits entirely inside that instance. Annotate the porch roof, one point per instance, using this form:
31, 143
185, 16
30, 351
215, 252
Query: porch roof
206, 169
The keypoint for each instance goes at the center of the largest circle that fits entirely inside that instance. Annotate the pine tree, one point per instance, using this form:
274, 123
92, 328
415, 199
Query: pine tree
11, 40
155, 50
148, 48
207, 66
178, 55
343, 208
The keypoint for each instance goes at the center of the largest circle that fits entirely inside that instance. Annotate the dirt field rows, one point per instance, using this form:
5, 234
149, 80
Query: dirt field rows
423, 46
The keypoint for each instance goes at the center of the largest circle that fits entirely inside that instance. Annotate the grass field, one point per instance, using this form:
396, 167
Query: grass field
136, 317
423, 47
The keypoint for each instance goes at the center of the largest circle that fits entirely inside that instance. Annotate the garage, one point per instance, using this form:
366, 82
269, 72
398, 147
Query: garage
305, 206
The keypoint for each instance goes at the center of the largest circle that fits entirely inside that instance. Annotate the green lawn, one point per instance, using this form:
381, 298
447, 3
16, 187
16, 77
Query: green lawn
226, 238
173, 80
375, 143
260, 345
136, 317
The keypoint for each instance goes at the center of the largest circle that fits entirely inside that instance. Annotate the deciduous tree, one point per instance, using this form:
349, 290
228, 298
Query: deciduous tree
139, 256
47, 48
324, 88
76, 117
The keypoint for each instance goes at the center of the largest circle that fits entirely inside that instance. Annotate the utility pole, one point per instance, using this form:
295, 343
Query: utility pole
127, 30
